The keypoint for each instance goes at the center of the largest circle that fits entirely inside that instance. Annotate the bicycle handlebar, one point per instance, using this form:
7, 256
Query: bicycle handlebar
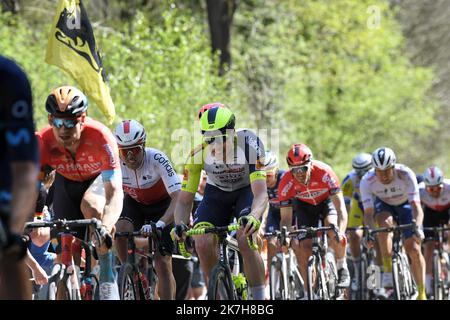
101, 232
312, 231
436, 229
394, 228
213, 230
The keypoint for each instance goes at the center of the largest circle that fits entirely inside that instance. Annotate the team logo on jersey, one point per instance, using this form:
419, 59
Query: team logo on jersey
286, 188
165, 163
311, 194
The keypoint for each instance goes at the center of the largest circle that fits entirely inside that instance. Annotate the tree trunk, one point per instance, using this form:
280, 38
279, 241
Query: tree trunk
220, 17
10, 6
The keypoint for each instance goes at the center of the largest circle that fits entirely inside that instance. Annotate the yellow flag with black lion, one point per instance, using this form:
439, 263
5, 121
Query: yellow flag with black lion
71, 47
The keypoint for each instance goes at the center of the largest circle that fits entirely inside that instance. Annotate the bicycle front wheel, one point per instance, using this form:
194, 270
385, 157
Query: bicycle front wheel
127, 286
437, 281
276, 279
220, 286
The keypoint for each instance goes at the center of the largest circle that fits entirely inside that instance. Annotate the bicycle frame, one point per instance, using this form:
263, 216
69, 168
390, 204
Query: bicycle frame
143, 287
400, 261
287, 266
441, 286
66, 271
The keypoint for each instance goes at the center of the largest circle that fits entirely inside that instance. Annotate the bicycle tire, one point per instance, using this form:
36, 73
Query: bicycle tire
396, 280
410, 285
55, 276
220, 283
437, 281
363, 290
295, 287
152, 282
276, 280
127, 285
64, 289
331, 268
320, 289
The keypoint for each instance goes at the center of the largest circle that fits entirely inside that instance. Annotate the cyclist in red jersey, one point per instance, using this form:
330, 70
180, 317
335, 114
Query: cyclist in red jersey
314, 189
88, 181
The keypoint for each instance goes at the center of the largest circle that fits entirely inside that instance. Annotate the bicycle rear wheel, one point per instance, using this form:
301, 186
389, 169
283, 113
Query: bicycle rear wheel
220, 286
127, 286
276, 280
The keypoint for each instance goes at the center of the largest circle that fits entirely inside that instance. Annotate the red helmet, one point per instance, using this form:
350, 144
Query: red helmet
208, 106
299, 154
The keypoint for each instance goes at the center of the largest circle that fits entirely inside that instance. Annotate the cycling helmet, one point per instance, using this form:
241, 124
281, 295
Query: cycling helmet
299, 154
66, 101
433, 176
130, 133
362, 162
217, 119
208, 106
383, 158
270, 161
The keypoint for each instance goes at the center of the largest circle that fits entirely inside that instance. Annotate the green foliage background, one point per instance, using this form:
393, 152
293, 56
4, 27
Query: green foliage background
314, 70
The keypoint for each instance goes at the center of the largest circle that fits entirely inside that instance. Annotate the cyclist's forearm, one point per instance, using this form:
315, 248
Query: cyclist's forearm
259, 205
113, 205
368, 218
24, 193
417, 212
339, 204
168, 216
183, 207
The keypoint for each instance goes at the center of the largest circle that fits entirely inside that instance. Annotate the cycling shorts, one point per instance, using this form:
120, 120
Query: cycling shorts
308, 215
402, 214
67, 197
433, 218
219, 207
139, 214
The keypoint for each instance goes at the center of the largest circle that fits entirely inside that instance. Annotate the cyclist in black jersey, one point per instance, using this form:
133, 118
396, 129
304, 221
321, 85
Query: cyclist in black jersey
18, 177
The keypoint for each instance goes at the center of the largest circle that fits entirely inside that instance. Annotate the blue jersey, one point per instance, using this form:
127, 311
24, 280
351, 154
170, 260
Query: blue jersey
17, 139
273, 193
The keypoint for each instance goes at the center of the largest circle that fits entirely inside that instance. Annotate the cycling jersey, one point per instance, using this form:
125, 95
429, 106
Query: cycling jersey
437, 204
352, 197
243, 169
323, 183
97, 152
273, 216
17, 140
403, 188
350, 187
153, 181
274, 201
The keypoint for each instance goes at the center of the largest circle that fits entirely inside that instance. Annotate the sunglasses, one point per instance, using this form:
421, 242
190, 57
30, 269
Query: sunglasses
434, 188
133, 151
68, 123
213, 139
300, 169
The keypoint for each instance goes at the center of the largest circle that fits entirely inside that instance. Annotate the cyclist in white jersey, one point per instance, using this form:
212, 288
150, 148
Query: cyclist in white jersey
151, 188
435, 197
390, 192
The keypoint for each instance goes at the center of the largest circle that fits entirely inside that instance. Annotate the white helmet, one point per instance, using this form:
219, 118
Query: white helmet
362, 162
383, 158
130, 133
270, 160
433, 176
